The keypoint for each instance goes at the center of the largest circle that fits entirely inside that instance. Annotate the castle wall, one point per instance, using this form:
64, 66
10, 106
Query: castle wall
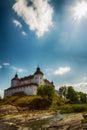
28, 90
38, 79
14, 83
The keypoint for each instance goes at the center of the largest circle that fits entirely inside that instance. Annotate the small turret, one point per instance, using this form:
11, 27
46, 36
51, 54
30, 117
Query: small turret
38, 77
16, 77
53, 84
38, 71
15, 81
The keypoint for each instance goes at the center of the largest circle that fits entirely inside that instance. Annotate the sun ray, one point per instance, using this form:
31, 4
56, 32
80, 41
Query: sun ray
80, 11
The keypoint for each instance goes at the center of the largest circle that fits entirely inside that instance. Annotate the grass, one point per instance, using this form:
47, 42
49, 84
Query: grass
39, 103
84, 121
73, 108
30, 102
7, 117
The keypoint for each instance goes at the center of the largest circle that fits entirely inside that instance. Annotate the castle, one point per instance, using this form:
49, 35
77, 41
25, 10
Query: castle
27, 85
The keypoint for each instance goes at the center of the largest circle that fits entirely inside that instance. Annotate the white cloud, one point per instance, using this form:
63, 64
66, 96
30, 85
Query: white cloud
17, 23
62, 70
0, 66
6, 64
19, 70
24, 33
81, 87
59, 71
38, 16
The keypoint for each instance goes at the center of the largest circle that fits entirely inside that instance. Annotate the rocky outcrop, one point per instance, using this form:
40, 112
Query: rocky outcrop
8, 109
12, 119
71, 122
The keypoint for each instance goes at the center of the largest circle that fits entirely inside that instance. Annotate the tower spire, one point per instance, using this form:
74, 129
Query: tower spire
16, 75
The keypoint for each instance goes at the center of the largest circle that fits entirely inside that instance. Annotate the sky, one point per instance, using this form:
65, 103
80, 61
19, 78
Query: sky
48, 33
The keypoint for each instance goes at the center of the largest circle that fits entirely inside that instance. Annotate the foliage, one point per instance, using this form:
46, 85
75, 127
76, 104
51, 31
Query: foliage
84, 121
10, 100
46, 91
82, 97
29, 102
63, 90
72, 108
72, 95
57, 102
40, 103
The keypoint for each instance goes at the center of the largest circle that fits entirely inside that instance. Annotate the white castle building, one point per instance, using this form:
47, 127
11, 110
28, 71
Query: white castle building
27, 85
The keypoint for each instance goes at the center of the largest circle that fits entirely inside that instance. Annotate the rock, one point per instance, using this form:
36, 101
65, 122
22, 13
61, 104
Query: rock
11, 119
7, 126
72, 122
8, 109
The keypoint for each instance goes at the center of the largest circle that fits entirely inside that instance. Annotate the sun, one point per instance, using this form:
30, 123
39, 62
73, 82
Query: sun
80, 11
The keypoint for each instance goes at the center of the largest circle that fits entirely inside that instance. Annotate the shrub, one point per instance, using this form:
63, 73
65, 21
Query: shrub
33, 102
46, 91
73, 108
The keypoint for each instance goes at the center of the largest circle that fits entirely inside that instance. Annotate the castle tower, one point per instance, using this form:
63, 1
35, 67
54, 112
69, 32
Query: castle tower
15, 81
38, 77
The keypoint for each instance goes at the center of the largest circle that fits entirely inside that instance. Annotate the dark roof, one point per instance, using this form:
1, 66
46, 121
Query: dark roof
16, 77
20, 86
38, 71
28, 77
24, 78
48, 82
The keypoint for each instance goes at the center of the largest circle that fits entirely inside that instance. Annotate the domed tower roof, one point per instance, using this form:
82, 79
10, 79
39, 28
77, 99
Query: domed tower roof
16, 77
38, 71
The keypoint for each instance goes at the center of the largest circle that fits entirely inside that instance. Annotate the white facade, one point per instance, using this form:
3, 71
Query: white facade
27, 90
27, 85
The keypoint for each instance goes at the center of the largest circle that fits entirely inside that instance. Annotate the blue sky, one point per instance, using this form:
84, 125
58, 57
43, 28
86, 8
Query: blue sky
48, 33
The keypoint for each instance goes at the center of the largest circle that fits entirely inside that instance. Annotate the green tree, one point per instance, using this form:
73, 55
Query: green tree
82, 97
63, 91
46, 91
72, 95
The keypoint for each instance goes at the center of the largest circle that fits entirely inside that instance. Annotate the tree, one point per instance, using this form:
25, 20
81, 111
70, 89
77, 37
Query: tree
72, 95
63, 91
46, 91
82, 97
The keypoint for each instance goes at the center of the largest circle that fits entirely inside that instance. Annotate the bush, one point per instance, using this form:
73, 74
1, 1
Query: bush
34, 102
40, 103
73, 108
9, 100
46, 91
